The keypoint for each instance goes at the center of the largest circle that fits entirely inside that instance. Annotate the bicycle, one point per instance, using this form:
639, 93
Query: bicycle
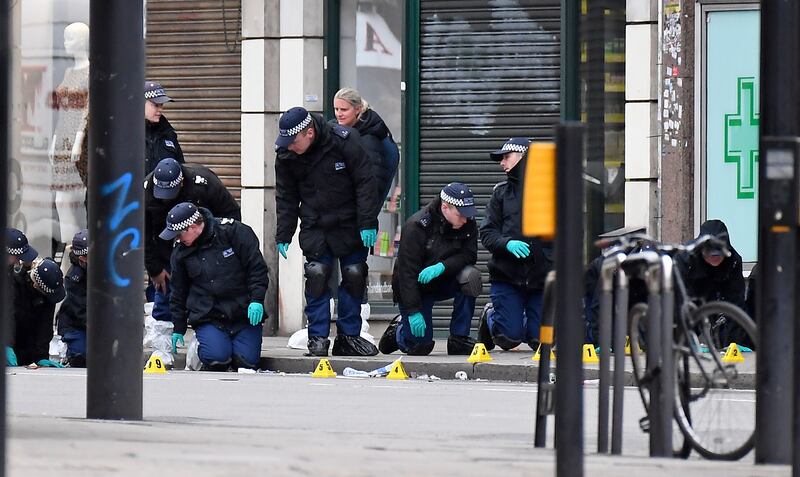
706, 398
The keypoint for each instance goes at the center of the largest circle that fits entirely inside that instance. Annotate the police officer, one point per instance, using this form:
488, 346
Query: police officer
161, 140
438, 251
324, 177
219, 282
19, 252
518, 265
168, 185
71, 316
36, 292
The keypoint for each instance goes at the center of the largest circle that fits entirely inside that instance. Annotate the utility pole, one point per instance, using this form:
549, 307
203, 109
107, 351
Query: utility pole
5, 153
116, 210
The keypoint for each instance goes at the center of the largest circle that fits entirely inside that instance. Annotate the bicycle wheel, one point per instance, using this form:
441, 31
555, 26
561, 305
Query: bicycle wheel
715, 414
637, 332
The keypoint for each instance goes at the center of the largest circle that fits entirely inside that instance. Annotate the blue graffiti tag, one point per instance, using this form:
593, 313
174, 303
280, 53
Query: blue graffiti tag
121, 210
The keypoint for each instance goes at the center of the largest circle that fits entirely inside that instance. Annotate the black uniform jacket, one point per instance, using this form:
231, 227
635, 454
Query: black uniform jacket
202, 188
330, 188
33, 321
160, 142
72, 314
724, 282
427, 239
374, 133
501, 224
217, 278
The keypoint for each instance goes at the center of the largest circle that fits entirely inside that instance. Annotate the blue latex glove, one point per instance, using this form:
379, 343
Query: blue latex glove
429, 273
256, 313
176, 337
11, 356
283, 248
368, 237
518, 248
417, 324
46, 363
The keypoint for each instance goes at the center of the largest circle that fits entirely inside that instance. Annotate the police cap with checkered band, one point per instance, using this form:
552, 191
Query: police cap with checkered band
459, 195
17, 245
49, 280
80, 243
167, 179
289, 126
514, 144
179, 219
155, 92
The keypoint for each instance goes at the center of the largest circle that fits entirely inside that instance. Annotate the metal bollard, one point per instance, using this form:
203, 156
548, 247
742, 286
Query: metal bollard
607, 270
621, 325
658, 448
667, 376
545, 395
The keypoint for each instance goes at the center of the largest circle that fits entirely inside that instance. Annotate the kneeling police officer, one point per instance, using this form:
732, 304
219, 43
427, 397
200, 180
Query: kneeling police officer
72, 314
219, 282
436, 262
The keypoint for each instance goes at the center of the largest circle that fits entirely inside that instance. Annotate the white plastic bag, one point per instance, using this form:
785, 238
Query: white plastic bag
192, 357
58, 347
158, 335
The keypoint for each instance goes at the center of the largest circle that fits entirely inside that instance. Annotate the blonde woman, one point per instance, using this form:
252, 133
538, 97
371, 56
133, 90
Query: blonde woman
353, 111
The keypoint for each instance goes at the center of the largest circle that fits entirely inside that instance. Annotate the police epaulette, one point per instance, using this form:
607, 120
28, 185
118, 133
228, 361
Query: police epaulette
198, 179
340, 131
499, 184
226, 221
425, 220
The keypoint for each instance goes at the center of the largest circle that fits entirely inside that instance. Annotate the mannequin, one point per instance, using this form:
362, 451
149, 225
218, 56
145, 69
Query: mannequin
68, 153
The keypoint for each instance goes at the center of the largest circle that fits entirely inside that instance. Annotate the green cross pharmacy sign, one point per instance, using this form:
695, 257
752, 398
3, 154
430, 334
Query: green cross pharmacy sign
730, 154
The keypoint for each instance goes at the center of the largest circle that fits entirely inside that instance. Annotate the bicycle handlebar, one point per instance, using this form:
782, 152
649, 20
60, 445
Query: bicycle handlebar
628, 243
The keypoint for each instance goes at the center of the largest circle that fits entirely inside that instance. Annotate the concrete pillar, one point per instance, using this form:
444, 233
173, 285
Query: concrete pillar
281, 68
641, 115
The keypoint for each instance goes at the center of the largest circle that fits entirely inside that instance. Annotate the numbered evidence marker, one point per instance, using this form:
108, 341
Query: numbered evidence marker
589, 354
155, 366
538, 355
398, 371
324, 370
733, 354
479, 354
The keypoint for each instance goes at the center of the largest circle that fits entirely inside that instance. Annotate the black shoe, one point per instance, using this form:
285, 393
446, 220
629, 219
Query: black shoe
484, 335
460, 345
223, 367
534, 344
345, 345
318, 346
505, 343
77, 361
388, 342
422, 349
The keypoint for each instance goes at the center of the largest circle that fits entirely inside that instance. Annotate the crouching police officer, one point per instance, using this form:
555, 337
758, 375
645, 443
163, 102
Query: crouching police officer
71, 316
167, 186
518, 265
219, 281
19, 252
325, 178
438, 251
36, 292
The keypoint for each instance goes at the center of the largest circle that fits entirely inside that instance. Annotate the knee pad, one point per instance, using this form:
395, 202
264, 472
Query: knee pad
317, 276
469, 278
354, 279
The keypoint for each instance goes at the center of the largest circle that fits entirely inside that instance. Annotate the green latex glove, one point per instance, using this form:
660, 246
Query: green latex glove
176, 337
283, 248
255, 312
429, 273
518, 248
417, 323
368, 237
11, 356
46, 363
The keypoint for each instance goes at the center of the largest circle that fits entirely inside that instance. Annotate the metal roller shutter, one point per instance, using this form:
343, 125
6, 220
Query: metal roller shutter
486, 73
193, 51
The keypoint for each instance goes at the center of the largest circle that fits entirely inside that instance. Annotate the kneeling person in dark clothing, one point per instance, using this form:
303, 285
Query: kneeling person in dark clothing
36, 292
436, 262
72, 314
219, 283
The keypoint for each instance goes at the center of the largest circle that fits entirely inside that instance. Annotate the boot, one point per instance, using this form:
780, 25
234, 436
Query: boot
388, 342
345, 345
318, 346
460, 345
505, 343
533, 343
484, 334
422, 349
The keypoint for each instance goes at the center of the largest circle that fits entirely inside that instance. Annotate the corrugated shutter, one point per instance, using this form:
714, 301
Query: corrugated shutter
488, 71
193, 51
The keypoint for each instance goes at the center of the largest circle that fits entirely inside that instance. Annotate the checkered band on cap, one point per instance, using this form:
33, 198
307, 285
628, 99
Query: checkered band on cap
169, 184
39, 283
458, 202
296, 130
80, 251
156, 93
511, 147
15, 251
183, 225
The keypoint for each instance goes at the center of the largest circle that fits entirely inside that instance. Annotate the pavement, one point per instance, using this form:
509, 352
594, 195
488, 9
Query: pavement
229, 424
513, 366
